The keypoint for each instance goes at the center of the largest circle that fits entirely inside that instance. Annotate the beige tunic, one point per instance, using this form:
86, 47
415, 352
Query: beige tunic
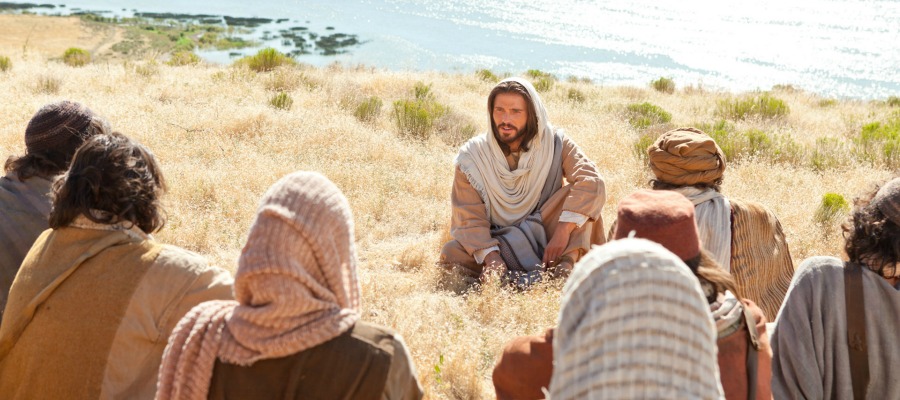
584, 193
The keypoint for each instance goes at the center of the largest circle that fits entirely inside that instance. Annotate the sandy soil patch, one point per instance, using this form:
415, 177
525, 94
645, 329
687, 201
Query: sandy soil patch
28, 34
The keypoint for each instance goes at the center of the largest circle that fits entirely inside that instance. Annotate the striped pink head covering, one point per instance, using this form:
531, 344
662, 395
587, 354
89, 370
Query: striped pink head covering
296, 288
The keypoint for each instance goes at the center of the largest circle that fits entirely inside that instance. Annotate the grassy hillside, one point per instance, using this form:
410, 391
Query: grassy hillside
387, 139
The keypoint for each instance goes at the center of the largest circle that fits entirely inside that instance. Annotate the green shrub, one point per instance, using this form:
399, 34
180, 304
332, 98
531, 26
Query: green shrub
833, 206
368, 109
880, 142
76, 57
893, 101
486, 75
266, 60
763, 106
422, 91
415, 118
664, 85
5, 64
542, 81
184, 44
281, 101
576, 95
645, 114
180, 58
641, 145
828, 154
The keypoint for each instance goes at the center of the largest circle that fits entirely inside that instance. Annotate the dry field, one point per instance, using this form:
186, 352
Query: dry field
222, 145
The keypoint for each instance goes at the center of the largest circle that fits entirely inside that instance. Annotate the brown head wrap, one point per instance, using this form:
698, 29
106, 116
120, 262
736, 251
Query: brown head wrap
686, 156
55, 123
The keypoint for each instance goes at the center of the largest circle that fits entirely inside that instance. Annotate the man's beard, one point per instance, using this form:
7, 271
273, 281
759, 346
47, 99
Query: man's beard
517, 136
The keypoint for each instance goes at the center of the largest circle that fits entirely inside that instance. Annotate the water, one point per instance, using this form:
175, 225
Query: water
837, 48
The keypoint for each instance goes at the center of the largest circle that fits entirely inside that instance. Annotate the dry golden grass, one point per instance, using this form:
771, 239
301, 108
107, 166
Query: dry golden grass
221, 146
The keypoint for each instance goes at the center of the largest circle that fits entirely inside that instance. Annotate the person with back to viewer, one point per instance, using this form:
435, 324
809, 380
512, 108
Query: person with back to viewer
836, 334
96, 297
511, 213
744, 237
51, 138
295, 330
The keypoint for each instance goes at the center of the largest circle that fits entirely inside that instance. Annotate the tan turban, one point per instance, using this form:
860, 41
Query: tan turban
686, 156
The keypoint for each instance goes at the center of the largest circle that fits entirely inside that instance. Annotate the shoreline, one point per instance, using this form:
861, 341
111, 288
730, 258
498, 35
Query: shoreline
222, 40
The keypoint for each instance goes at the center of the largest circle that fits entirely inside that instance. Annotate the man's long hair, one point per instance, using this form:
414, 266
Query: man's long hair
52, 162
870, 238
531, 126
116, 176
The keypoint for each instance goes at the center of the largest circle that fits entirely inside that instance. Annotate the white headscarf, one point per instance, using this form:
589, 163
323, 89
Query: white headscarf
508, 195
634, 324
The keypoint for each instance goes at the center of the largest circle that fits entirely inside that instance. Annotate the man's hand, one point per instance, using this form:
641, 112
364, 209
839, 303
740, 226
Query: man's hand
558, 242
493, 266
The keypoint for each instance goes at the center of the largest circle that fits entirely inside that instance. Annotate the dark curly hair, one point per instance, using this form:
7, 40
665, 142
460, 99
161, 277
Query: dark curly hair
50, 163
870, 238
115, 175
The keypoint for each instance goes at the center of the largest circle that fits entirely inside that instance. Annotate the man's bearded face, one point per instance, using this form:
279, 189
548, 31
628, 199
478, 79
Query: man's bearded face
510, 116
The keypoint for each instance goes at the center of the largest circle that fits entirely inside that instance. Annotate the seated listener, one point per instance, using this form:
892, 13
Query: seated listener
295, 330
666, 218
634, 324
836, 334
96, 297
744, 237
51, 138
511, 211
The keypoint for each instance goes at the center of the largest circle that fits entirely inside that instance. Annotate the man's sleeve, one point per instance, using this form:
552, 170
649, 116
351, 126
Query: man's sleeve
469, 223
588, 193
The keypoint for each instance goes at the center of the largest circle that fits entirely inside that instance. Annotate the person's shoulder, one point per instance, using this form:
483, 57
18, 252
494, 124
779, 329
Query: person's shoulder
819, 271
184, 262
374, 334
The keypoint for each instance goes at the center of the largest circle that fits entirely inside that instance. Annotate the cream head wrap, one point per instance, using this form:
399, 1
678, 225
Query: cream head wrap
295, 287
686, 156
634, 324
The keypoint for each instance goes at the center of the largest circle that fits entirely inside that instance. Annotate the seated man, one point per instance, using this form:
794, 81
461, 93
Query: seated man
96, 297
51, 138
744, 237
836, 335
511, 210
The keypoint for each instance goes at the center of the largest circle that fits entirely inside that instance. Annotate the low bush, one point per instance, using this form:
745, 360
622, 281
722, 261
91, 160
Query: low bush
542, 81
763, 106
832, 207
48, 85
415, 118
281, 101
879, 142
5, 64
185, 57
368, 109
487, 76
266, 60
576, 95
645, 114
76, 57
664, 85
893, 101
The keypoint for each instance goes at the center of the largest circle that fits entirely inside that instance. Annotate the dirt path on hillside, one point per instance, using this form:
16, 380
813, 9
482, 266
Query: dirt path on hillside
51, 36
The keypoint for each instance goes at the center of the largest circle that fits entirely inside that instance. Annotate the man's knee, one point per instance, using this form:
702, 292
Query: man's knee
455, 258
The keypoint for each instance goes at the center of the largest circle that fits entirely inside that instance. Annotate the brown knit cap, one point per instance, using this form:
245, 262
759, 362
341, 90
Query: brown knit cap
663, 216
686, 156
887, 200
55, 123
